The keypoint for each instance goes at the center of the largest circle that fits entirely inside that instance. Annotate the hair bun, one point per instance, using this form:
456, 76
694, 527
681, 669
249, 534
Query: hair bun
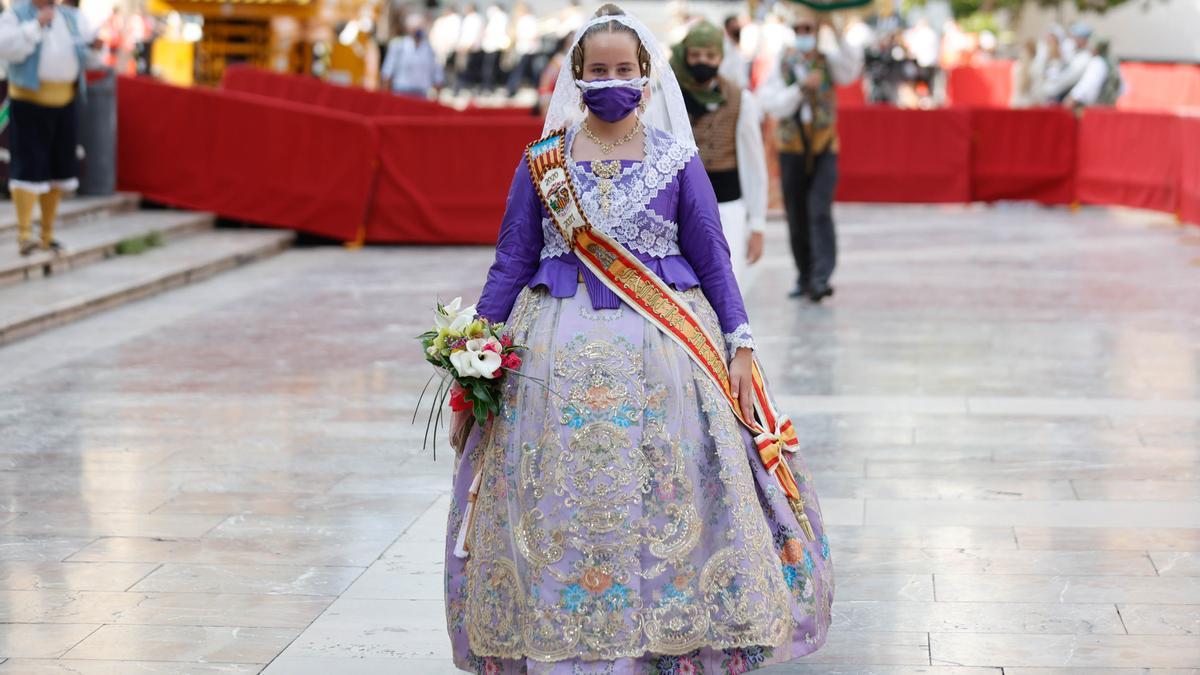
609, 9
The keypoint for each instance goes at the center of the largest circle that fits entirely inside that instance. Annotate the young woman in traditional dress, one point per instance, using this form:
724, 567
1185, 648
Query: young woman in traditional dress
618, 516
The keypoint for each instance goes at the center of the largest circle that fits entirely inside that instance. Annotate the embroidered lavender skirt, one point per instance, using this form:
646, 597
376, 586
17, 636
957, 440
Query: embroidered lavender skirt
624, 523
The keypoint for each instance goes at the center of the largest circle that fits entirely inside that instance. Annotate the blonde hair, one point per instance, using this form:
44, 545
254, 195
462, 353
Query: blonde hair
609, 9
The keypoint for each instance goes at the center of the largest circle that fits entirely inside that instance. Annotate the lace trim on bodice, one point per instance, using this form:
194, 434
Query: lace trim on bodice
629, 218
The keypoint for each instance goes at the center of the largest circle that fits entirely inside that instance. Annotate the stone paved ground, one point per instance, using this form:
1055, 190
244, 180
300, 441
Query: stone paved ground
1002, 408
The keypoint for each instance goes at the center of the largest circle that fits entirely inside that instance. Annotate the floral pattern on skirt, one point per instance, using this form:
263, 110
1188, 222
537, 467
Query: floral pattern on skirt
624, 523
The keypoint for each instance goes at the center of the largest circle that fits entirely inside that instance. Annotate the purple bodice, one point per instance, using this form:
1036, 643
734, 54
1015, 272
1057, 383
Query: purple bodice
662, 208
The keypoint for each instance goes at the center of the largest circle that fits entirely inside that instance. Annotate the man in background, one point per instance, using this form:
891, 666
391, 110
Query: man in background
46, 48
443, 38
1101, 82
733, 67
801, 93
1080, 55
411, 68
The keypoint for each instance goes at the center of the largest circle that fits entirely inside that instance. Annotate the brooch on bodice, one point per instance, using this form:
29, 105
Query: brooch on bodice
605, 171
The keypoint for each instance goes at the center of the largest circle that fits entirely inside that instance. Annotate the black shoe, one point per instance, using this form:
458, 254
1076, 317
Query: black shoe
799, 291
27, 247
819, 292
55, 246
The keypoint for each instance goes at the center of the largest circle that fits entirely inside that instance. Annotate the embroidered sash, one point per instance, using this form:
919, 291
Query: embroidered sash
651, 297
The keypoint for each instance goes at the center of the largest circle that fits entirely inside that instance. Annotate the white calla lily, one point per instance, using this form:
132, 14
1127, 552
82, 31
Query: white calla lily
454, 317
475, 361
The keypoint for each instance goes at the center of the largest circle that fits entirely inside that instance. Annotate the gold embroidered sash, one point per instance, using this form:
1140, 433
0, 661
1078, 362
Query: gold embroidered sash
651, 297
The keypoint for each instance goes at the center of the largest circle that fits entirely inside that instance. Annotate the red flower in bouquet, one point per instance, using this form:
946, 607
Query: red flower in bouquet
458, 399
510, 361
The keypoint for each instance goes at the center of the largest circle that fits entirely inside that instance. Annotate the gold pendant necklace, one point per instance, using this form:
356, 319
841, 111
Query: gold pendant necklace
607, 148
605, 171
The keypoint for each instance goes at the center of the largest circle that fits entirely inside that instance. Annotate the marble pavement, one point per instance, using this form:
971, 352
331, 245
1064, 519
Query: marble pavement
1002, 408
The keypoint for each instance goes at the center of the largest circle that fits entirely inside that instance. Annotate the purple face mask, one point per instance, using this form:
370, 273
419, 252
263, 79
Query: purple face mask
612, 102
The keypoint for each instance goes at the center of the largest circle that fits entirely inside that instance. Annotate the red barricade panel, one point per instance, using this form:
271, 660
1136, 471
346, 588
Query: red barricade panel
246, 157
1189, 170
445, 180
987, 85
851, 95
302, 89
1023, 154
1129, 158
892, 155
1160, 86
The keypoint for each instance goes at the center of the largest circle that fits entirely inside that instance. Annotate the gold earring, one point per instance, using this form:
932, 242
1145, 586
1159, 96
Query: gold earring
642, 107
582, 105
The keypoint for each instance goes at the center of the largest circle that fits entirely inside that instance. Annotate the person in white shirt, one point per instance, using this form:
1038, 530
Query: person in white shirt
571, 18
734, 67
468, 57
1026, 77
727, 124
495, 41
411, 67
443, 38
1100, 83
801, 93
922, 42
527, 40
1058, 88
46, 47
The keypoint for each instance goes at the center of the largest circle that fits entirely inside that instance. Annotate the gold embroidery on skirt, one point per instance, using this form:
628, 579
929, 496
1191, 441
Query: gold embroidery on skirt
579, 496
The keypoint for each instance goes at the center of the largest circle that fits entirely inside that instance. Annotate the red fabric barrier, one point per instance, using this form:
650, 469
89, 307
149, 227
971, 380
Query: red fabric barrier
445, 180
1023, 154
245, 157
1160, 86
851, 95
988, 85
1189, 170
892, 155
300, 89
1129, 158
311, 91
506, 112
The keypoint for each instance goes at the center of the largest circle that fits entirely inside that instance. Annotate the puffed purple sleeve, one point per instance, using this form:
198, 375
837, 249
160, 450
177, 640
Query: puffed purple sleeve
702, 242
517, 250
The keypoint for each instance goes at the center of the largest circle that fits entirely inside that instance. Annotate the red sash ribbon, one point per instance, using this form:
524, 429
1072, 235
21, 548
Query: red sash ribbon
650, 296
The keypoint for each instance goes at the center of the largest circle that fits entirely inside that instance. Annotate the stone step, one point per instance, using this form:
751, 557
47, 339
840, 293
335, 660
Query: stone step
96, 240
72, 210
41, 304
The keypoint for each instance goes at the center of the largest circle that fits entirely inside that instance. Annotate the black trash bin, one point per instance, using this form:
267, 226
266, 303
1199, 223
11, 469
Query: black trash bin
98, 134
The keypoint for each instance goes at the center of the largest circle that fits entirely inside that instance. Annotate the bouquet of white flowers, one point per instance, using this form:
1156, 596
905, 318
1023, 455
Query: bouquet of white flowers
472, 355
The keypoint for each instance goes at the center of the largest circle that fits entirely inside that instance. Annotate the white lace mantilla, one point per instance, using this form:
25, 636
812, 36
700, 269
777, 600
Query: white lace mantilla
629, 219
740, 337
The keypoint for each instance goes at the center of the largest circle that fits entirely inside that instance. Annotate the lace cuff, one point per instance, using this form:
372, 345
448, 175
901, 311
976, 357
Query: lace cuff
740, 337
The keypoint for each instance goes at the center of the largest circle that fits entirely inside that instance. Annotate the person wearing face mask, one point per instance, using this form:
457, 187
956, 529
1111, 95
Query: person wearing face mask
734, 67
801, 94
411, 68
637, 504
726, 122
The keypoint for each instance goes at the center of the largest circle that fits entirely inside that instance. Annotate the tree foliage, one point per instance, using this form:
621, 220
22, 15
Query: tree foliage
964, 8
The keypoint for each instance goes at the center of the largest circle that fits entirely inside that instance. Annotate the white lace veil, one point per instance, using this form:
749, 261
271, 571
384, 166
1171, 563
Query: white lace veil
664, 109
